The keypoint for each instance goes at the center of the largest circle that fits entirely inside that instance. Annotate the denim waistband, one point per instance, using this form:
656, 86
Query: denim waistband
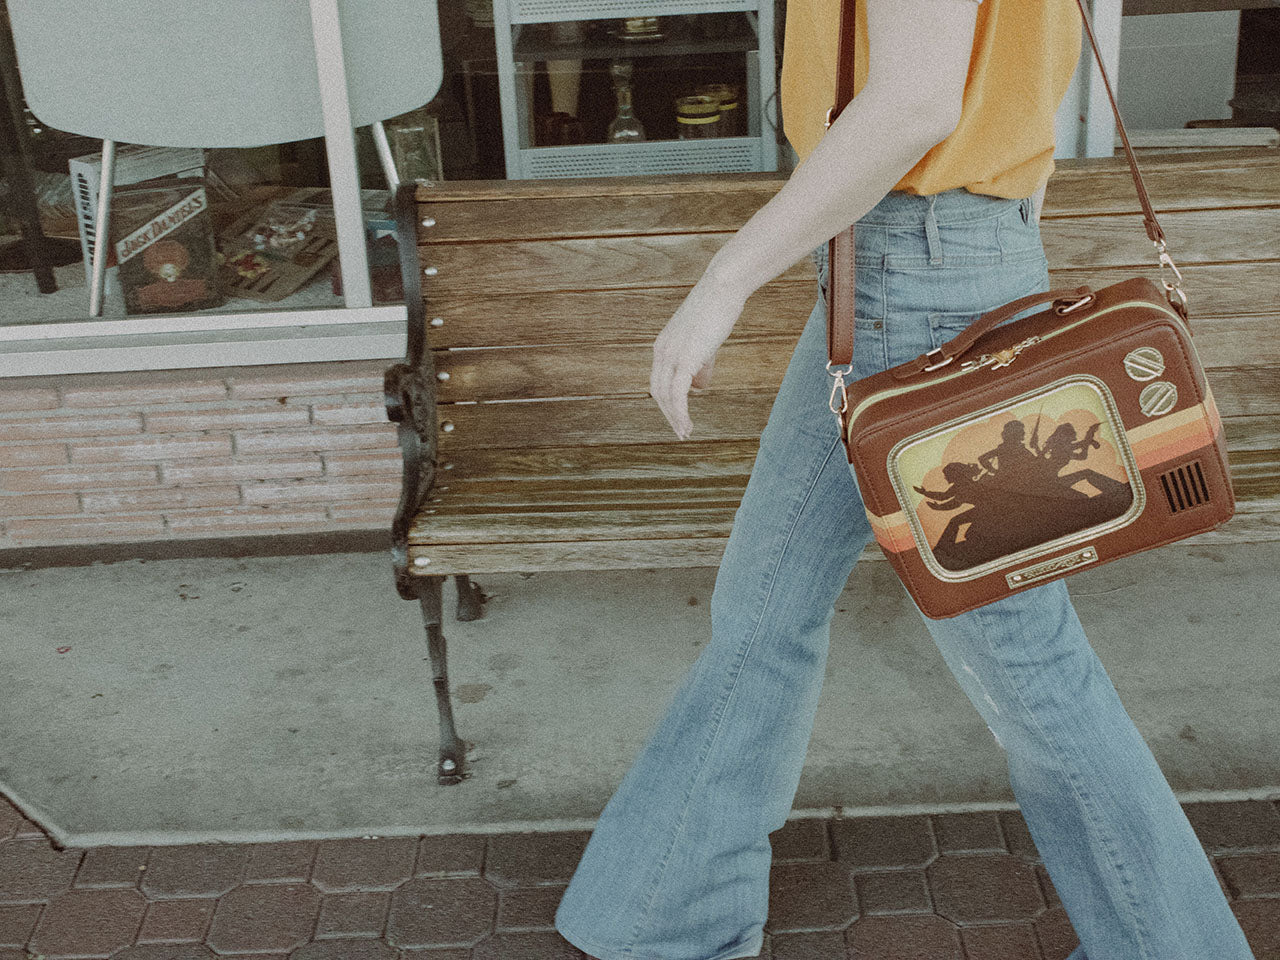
955, 206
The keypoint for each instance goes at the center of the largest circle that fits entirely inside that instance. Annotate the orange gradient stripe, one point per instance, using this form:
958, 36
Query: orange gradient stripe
892, 532
1175, 435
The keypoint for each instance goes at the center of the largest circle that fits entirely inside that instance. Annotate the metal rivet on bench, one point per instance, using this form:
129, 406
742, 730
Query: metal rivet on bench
429, 221
449, 465
447, 426
437, 321
430, 271
442, 375
421, 561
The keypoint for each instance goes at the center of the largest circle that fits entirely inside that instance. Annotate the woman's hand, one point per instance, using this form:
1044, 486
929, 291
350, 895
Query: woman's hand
684, 352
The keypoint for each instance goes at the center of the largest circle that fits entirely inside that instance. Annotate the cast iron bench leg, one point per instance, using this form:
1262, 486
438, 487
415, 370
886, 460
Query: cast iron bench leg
470, 597
450, 768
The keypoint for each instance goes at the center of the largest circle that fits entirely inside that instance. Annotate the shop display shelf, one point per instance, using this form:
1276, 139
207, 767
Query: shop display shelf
522, 40
535, 42
549, 11
736, 154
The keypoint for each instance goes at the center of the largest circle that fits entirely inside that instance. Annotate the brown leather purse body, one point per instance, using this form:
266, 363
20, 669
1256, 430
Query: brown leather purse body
1017, 453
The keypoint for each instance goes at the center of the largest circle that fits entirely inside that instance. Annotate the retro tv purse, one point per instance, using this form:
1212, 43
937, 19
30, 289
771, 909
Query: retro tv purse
1017, 454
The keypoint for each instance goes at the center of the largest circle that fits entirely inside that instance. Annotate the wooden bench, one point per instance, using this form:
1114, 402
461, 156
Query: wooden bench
530, 441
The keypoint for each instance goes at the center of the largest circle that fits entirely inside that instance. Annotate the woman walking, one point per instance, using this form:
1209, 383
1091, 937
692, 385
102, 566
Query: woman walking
940, 159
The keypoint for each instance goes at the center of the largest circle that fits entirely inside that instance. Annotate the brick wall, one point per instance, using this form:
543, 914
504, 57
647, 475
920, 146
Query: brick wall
102, 458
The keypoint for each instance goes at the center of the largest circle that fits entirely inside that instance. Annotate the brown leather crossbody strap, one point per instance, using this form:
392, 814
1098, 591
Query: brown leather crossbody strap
841, 247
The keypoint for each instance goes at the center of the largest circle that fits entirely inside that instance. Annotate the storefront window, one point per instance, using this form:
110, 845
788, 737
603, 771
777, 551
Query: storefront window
263, 237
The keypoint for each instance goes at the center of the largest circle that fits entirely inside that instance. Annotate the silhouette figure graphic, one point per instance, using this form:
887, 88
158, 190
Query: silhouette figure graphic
1016, 497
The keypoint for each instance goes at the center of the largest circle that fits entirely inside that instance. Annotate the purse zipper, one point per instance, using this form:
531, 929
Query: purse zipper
978, 365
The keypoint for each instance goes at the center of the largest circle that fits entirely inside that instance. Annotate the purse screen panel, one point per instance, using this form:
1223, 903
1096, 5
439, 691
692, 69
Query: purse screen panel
1009, 483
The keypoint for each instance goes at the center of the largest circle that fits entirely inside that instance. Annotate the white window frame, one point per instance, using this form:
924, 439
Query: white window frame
356, 331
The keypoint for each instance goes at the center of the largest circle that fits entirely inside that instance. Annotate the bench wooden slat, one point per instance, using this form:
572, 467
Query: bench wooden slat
779, 308
1252, 433
1234, 341
602, 206
1193, 236
1255, 522
582, 370
1255, 474
529, 495
560, 477
567, 555
661, 461
672, 520
640, 261
607, 316
622, 420
577, 263
596, 370
1246, 391
720, 415
556, 509
1220, 179
469, 220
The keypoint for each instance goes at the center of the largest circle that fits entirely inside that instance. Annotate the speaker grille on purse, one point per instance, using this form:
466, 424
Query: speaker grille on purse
1185, 487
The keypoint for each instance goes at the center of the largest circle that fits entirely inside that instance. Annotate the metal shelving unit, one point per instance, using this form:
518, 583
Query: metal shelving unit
522, 39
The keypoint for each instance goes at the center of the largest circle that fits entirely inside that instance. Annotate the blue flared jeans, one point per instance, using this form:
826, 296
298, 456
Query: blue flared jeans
677, 867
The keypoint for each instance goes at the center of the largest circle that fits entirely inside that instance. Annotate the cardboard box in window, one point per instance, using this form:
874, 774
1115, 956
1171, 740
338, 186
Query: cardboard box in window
135, 163
162, 238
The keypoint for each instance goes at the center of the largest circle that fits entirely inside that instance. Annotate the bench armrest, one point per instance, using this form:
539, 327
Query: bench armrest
409, 392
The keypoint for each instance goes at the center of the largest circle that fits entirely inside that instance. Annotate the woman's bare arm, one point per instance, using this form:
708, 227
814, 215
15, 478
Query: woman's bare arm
917, 62
918, 59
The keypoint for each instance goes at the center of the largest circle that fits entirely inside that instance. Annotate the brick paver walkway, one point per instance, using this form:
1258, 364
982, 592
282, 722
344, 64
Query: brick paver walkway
940, 887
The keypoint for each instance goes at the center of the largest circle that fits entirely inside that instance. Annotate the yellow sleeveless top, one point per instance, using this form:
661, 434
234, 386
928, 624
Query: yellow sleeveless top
1024, 55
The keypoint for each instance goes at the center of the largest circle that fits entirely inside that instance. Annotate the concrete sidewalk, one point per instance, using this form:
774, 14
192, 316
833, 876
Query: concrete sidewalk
289, 698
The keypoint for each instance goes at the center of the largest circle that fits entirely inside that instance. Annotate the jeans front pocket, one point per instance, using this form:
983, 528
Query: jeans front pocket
1018, 234
946, 326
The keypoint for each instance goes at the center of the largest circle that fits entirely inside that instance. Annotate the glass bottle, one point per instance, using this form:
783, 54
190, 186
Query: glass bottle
697, 117
625, 127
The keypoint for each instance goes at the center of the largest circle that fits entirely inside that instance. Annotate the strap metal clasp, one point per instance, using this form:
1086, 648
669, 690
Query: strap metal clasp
936, 365
838, 389
1176, 286
1064, 305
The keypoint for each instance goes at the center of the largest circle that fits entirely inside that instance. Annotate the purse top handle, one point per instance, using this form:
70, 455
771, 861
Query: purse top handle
841, 246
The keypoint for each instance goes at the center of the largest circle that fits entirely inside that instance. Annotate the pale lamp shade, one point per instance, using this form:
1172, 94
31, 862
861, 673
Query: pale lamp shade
216, 73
